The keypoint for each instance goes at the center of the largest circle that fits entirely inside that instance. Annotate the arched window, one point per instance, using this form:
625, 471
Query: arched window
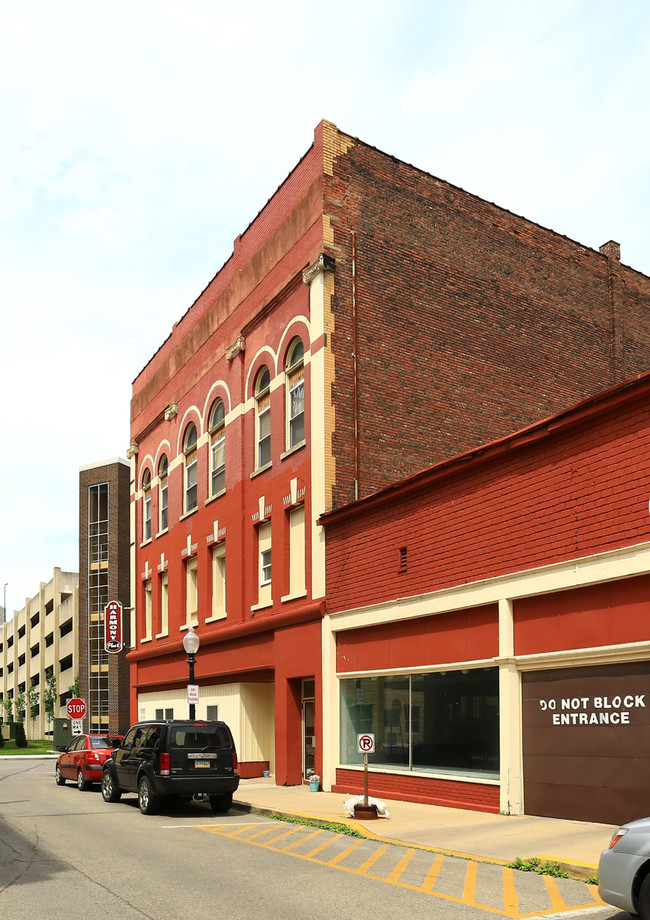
217, 447
162, 492
191, 468
263, 417
295, 370
146, 506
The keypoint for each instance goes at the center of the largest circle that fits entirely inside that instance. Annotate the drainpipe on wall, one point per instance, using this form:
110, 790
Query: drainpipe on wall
355, 366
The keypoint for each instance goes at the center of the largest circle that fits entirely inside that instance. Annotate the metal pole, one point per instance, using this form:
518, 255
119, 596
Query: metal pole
365, 780
190, 660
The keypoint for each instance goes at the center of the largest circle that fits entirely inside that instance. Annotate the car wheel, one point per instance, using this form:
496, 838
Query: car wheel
644, 899
147, 801
60, 778
110, 792
82, 783
221, 803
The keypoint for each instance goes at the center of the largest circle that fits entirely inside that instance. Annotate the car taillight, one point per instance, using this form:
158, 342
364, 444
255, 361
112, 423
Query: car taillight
235, 765
164, 764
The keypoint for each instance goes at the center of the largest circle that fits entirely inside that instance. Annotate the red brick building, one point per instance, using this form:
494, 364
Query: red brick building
372, 320
488, 620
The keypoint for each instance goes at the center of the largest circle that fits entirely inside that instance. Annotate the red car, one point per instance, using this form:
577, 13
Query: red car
82, 760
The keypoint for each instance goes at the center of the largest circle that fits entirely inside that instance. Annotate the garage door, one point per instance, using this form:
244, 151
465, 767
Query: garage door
586, 743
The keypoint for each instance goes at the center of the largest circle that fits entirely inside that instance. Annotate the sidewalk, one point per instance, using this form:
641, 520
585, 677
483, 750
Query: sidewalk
497, 838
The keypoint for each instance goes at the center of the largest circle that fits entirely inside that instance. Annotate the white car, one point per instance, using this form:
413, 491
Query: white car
624, 869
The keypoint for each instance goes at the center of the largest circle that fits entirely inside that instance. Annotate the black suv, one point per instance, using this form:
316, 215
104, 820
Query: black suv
173, 759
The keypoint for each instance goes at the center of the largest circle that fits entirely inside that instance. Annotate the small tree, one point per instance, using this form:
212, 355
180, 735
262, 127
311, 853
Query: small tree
8, 707
75, 687
49, 697
21, 737
19, 703
33, 698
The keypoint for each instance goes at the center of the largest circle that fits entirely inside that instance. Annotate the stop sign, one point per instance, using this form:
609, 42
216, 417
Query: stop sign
76, 709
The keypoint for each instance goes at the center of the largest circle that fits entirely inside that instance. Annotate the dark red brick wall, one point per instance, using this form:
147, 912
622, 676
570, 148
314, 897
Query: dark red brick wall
471, 322
554, 493
472, 796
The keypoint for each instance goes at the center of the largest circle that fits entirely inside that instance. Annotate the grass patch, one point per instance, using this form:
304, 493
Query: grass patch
325, 825
536, 865
33, 747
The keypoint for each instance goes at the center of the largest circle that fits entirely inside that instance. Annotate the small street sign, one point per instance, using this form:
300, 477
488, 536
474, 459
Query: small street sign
366, 743
193, 693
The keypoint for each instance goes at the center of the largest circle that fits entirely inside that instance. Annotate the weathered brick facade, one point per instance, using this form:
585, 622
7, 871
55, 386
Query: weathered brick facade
432, 322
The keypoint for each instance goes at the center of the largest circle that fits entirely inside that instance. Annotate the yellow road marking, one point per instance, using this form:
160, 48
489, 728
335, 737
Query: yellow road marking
369, 863
401, 865
510, 909
432, 874
557, 901
469, 891
510, 899
344, 853
318, 849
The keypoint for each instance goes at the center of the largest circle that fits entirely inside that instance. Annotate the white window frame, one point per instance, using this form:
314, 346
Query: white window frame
146, 507
163, 497
148, 612
192, 592
295, 376
263, 419
264, 566
217, 448
164, 606
297, 554
191, 490
218, 611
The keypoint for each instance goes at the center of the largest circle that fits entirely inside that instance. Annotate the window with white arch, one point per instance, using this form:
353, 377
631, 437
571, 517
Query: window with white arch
217, 427
263, 418
146, 506
295, 373
191, 468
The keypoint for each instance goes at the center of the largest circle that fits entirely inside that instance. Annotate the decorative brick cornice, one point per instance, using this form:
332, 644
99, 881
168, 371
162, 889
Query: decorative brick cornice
324, 263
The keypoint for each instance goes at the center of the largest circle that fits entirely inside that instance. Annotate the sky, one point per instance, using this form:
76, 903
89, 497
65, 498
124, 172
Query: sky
138, 139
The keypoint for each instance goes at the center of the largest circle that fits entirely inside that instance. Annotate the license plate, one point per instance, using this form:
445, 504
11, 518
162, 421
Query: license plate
202, 763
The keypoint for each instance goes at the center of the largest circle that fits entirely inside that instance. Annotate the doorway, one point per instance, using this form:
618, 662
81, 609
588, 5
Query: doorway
308, 728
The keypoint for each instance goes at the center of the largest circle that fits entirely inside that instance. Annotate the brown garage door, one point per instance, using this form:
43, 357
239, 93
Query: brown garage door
586, 743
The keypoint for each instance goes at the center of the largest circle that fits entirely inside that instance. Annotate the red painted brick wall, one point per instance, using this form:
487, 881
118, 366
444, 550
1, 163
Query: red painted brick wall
567, 489
472, 796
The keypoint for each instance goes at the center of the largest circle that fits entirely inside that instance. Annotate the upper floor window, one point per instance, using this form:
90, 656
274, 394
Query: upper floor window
217, 447
295, 394
191, 468
162, 492
263, 417
146, 506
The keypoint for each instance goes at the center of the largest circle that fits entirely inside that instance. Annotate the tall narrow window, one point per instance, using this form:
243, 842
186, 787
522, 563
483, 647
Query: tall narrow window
162, 493
164, 606
191, 592
191, 468
217, 448
265, 596
148, 612
146, 506
219, 582
295, 394
297, 584
263, 417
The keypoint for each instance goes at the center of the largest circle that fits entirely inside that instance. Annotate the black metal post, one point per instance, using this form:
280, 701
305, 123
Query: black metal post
190, 660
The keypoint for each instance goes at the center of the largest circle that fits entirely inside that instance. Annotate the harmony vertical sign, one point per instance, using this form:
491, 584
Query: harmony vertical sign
113, 627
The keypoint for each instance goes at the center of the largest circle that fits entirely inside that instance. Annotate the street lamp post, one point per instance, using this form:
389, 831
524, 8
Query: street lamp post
191, 644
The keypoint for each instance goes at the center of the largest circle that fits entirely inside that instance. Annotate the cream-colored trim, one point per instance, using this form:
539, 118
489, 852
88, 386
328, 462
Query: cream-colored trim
616, 564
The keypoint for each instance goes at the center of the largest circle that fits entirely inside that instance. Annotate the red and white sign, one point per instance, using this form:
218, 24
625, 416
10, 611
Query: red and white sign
366, 743
76, 708
192, 693
113, 626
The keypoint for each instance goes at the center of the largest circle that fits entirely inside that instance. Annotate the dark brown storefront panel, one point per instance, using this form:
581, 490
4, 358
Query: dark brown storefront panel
586, 743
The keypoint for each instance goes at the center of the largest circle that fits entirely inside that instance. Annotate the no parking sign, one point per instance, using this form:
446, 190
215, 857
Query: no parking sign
366, 743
